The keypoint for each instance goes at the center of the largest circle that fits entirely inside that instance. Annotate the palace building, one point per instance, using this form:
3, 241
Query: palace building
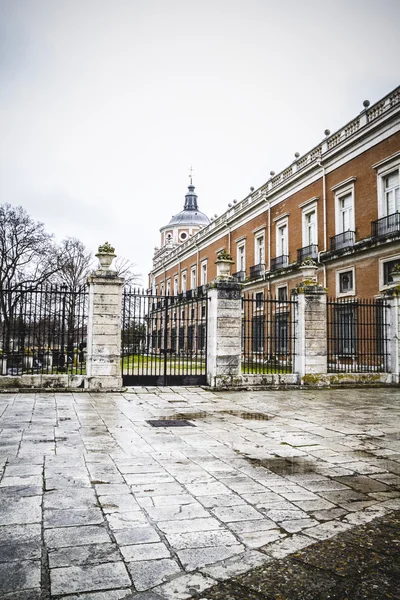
338, 204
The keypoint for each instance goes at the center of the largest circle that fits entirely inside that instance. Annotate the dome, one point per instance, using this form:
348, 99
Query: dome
186, 217
190, 215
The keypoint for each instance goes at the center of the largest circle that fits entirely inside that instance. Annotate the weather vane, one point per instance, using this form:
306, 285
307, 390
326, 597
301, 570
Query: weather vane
191, 175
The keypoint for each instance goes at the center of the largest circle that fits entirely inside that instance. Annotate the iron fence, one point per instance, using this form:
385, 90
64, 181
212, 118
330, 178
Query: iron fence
358, 335
164, 338
268, 334
43, 330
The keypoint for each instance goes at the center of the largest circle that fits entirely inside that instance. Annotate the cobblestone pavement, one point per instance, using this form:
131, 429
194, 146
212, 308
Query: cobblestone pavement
99, 502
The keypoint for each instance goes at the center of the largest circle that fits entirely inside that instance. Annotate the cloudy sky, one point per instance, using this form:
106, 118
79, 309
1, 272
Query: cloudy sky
105, 104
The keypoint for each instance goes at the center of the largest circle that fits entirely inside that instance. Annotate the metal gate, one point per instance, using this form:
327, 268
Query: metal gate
164, 338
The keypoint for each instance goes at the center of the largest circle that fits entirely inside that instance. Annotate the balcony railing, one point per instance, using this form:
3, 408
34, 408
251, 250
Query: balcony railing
239, 276
257, 271
343, 240
310, 251
279, 262
386, 225
200, 291
189, 293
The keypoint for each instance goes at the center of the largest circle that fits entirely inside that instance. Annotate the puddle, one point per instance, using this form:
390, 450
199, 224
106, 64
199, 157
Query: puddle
170, 423
362, 454
248, 416
295, 465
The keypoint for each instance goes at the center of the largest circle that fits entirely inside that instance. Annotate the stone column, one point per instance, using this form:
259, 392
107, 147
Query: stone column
311, 332
393, 341
103, 360
224, 328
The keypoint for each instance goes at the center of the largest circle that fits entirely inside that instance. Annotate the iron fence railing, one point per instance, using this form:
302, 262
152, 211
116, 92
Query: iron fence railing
358, 335
310, 251
343, 240
240, 276
164, 339
279, 262
268, 334
43, 330
257, 271
386, 226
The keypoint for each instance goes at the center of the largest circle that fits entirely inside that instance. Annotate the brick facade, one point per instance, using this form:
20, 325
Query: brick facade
316, 191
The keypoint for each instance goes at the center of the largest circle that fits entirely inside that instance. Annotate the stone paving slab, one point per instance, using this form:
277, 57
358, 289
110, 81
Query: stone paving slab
97, 504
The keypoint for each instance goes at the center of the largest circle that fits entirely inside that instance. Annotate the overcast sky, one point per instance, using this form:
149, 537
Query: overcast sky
105, 104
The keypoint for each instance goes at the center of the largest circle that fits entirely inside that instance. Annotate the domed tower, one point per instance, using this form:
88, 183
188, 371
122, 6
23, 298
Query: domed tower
185, 223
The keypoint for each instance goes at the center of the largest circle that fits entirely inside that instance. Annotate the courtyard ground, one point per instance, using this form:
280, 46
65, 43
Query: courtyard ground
242, 495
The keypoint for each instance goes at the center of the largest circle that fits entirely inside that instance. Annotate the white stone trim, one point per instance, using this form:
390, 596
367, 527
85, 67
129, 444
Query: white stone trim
338, 272
343, 183
381, 163
283, 216
312, 200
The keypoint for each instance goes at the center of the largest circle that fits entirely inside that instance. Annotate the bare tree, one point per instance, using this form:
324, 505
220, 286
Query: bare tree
75, 262
26, 250
27, 259
125, 268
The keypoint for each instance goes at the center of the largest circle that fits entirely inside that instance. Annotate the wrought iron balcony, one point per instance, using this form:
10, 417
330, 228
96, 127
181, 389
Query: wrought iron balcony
386, 225
307, 251
189, 293
257, 271
279, 262
239, 276
200, 291
343, 240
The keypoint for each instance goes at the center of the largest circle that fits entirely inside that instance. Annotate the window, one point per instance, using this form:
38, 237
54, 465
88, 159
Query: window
201, 337
282, 293
345, 283
241, 257
281, 333
168, 287
173, 339
258, 334
184, 282
259, 250
259, 300
190, 338
388, 185
310, 227
282, 239
193, 278
344, 202
391, 190
345, 330
183, 236
181, 338
204, 273
387, 266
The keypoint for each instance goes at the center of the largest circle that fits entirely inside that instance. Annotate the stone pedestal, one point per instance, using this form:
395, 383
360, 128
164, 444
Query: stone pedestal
224, 332
311, 336
103, 361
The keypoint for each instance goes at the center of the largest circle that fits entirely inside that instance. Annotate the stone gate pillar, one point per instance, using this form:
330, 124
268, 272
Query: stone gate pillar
224, 332
392, 320
311, 332
103, 359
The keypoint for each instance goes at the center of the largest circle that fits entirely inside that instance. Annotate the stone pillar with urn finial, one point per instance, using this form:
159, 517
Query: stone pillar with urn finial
103, 361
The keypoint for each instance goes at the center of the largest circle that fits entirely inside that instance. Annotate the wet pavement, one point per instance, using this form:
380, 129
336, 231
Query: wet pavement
183, 493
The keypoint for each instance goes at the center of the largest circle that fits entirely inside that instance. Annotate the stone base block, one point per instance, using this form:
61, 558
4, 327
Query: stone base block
103, 383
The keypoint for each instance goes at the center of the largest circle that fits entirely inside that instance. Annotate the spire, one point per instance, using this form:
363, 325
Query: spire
191, 197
